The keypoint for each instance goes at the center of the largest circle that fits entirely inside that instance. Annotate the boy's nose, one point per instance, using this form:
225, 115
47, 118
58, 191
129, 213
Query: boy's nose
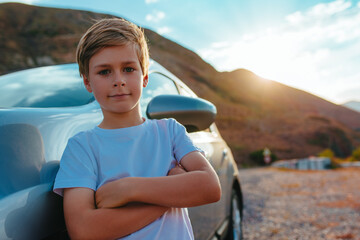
119, 81
119, 84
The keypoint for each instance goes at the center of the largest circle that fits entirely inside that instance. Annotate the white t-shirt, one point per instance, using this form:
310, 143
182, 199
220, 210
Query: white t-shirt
151, 149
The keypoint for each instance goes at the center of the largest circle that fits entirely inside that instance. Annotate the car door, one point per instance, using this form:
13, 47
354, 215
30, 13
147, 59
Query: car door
205, 219
209, 218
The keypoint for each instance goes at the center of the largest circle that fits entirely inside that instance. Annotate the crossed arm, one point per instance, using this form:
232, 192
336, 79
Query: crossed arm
124, 206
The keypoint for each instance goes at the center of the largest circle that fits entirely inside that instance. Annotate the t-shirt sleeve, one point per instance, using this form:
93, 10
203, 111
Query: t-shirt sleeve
77, 168
181, 142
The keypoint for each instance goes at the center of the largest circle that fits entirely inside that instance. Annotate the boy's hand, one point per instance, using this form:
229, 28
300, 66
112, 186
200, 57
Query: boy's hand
117, 193
113, 194
178, 169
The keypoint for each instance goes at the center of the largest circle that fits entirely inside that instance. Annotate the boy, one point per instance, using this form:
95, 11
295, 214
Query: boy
115, 178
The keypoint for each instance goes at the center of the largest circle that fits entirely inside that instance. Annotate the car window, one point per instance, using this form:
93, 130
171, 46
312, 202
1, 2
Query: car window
185, 92
52, 86
158, 84
22, 160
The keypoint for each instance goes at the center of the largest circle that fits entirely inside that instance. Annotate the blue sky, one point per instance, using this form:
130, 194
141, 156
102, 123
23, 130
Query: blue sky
310, 45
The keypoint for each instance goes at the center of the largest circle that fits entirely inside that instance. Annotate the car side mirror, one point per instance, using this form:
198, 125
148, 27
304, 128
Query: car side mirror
195, 114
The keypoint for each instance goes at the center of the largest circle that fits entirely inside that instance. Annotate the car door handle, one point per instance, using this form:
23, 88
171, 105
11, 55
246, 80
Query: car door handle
224, 155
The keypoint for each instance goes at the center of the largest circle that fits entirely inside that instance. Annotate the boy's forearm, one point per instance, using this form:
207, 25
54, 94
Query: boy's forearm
84, 221
119, 222
184, 190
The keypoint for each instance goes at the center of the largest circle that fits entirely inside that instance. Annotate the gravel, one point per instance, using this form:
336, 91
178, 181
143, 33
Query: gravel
294, 204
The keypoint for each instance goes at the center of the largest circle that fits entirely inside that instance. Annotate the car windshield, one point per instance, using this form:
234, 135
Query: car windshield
61, 86
52, 86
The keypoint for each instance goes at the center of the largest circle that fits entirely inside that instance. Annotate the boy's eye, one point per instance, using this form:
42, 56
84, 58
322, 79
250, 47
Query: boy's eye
104, 72
129, 69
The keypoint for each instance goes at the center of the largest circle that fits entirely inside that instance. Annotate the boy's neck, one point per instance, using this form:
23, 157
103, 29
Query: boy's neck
123, 120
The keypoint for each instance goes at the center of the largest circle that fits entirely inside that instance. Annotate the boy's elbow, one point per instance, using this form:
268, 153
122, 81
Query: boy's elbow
81, 232
76, 233
217, 193
214, 194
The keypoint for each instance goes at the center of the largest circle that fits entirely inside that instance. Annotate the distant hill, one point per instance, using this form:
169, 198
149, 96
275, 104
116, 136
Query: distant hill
354, 105
253, 113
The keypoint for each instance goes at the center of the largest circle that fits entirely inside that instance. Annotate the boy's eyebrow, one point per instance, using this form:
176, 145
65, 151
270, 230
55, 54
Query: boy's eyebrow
109, 65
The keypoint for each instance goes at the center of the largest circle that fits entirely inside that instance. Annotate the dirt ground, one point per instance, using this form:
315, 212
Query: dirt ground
294, 204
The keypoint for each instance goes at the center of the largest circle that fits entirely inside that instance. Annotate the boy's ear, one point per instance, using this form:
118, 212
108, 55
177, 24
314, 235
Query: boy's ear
87, 83
146, 80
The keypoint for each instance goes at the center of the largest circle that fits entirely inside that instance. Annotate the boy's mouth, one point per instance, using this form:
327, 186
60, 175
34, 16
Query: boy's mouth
120, 95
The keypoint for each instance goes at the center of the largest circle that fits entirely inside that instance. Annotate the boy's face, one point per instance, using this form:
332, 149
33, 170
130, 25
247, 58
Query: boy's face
116, 79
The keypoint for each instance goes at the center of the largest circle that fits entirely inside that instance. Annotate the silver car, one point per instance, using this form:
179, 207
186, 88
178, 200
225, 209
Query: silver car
41, 108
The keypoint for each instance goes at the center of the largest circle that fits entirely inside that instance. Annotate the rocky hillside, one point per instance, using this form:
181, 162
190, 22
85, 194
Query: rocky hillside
253, 113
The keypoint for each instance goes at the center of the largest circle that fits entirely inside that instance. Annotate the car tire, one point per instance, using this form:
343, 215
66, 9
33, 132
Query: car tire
235, 227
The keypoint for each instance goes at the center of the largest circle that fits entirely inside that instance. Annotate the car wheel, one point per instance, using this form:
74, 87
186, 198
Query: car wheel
235, 226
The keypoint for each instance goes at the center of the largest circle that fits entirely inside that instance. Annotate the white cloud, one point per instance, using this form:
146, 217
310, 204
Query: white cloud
331, 8
151, 1
295, 18
315, 50
219, 45
157, 16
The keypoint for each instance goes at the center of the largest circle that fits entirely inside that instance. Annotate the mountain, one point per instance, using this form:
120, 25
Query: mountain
354, 105
253, 113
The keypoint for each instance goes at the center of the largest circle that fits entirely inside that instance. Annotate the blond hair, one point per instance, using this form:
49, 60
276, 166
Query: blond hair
107, 33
